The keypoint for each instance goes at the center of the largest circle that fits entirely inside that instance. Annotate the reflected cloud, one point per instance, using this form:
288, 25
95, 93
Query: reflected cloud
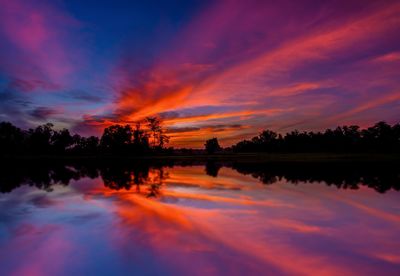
218, 218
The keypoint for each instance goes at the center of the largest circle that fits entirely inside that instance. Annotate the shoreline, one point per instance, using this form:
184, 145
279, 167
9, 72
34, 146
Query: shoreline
239, 157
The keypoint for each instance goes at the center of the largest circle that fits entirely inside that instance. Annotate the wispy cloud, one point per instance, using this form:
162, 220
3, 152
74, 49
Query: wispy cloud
258, 64
44, 54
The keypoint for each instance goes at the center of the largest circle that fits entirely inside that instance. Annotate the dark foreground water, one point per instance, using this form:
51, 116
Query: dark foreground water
212, 219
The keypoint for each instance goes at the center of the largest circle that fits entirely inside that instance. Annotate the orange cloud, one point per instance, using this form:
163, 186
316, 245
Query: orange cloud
254, 83
143, 104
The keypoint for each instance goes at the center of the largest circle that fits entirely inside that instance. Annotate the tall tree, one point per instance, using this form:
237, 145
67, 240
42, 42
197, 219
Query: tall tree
157, 132
212, 146
116, 139
154, 124
140, 137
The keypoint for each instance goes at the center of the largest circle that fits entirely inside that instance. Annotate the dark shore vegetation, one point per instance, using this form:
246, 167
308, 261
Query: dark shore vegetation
346, 157
148, 140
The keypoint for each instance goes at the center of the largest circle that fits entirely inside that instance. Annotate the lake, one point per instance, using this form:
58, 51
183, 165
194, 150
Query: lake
199, 219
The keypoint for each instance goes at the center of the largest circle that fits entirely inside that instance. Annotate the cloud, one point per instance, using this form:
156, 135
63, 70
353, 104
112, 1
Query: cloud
369, 105
252, 64
251, 55
13, 105
389, 57
81, 95
214, 128
39, 37
24, 85
182, 129
43, 113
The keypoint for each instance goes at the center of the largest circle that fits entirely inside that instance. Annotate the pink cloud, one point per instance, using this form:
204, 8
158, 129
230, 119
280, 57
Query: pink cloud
244, 54
41, 35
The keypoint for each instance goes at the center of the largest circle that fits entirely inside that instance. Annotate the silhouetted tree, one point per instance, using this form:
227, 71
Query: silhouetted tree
266, 140
212, 146
140, 139
39, 139
61, 140
154, 125
85, 145
157, 132
125, 140
116, 139
379, 138
11, 139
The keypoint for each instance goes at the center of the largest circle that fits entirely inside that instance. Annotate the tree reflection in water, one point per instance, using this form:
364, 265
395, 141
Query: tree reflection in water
145, 180
148, 179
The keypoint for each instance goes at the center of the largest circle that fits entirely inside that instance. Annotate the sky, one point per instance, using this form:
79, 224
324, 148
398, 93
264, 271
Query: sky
225, 69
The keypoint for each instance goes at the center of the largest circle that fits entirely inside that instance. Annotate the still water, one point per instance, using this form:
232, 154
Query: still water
212, 219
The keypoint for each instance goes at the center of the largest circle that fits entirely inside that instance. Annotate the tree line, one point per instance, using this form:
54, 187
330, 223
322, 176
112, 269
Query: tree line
146, 137
380, 137
149, 137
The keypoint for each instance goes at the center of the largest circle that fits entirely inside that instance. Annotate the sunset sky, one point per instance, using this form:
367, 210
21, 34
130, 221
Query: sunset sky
224, 69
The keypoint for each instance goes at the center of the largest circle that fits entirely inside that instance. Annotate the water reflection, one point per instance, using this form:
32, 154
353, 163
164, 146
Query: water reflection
216, 218
128, 176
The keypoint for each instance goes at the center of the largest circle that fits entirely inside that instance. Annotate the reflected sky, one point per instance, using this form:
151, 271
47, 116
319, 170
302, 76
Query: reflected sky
183, 221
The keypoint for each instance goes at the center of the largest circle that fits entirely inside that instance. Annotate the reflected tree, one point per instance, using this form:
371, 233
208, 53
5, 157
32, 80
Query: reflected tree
212, 168
149, 178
